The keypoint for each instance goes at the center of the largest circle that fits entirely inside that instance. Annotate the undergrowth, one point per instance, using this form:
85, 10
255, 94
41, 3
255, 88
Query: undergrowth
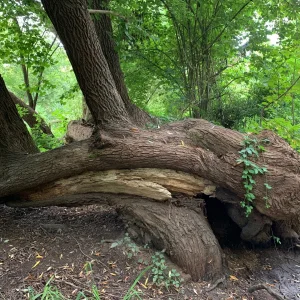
160, 275
155, 270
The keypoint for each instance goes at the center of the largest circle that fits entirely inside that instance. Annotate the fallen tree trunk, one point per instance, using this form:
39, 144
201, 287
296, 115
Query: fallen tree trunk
195, 147
192, 146
119, 154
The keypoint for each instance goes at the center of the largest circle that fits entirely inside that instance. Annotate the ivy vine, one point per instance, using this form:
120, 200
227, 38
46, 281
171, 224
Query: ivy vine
252, 147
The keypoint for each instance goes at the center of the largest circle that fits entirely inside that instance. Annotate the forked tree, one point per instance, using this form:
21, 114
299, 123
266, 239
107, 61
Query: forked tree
152, 176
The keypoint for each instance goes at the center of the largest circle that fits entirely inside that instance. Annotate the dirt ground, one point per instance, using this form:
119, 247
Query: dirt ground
73, 247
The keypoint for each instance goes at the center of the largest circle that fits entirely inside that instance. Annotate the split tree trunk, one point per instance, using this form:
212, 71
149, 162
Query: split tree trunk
77, 175
194, 147
88, 61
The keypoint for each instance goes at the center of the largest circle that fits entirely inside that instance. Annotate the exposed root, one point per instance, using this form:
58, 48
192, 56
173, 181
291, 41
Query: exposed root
215, 284
267, 288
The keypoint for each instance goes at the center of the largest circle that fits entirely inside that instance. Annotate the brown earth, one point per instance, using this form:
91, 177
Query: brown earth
73, 247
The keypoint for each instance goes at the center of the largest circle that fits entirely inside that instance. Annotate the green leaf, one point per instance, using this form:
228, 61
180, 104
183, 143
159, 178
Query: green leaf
267, 186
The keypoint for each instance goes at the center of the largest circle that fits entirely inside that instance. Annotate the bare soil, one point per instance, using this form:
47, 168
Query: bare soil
73, 247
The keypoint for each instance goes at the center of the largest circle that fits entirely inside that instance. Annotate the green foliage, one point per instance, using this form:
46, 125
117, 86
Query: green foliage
26, 41
183, 47
49, 293
44, 141
251, 149
132, 293
176, 56
161, 275
276, 240
52, 293
131, 248
57, 106
28, 48
282, 126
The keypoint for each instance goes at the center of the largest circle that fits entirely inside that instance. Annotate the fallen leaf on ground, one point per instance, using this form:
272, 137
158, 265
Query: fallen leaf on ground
36, 264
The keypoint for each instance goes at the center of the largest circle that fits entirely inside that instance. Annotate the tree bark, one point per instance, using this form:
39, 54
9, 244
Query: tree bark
190, 244
104, 31
193, 146
88, 61
14, 136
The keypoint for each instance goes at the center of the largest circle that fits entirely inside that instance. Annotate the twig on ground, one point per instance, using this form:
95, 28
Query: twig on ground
103, 264
215, 284
267, 288
76, 287
295, 260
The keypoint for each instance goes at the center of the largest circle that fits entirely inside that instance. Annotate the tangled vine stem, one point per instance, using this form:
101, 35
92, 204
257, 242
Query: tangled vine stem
251, 149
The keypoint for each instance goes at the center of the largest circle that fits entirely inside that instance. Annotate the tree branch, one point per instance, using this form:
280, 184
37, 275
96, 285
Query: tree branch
106, 12
40, 77
226, 26
288, 89
30, 116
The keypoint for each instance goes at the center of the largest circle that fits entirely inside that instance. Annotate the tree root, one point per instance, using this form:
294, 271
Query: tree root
215, 284
268, 289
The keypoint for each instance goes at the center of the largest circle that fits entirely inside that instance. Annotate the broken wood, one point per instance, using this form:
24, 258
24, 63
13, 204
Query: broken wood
157, 184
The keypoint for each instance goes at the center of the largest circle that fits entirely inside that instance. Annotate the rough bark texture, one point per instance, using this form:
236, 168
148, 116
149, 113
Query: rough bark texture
30, 116
184, 234
78, 131
14, 136
77, 32
105, 34
192, 146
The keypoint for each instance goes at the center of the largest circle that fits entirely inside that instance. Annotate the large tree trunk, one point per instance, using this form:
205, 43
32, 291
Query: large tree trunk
78, 174
104, 31
14, 136
149, 170
90, 66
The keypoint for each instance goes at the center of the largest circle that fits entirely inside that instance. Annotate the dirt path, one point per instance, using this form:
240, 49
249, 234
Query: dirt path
73, 247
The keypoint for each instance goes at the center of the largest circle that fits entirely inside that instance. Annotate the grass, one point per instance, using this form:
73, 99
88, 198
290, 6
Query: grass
52, 293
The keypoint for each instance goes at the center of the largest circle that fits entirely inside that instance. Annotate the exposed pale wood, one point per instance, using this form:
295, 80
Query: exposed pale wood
151, 183
78, 131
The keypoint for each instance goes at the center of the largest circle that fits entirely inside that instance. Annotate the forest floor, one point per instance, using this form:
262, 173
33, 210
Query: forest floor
73, 247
